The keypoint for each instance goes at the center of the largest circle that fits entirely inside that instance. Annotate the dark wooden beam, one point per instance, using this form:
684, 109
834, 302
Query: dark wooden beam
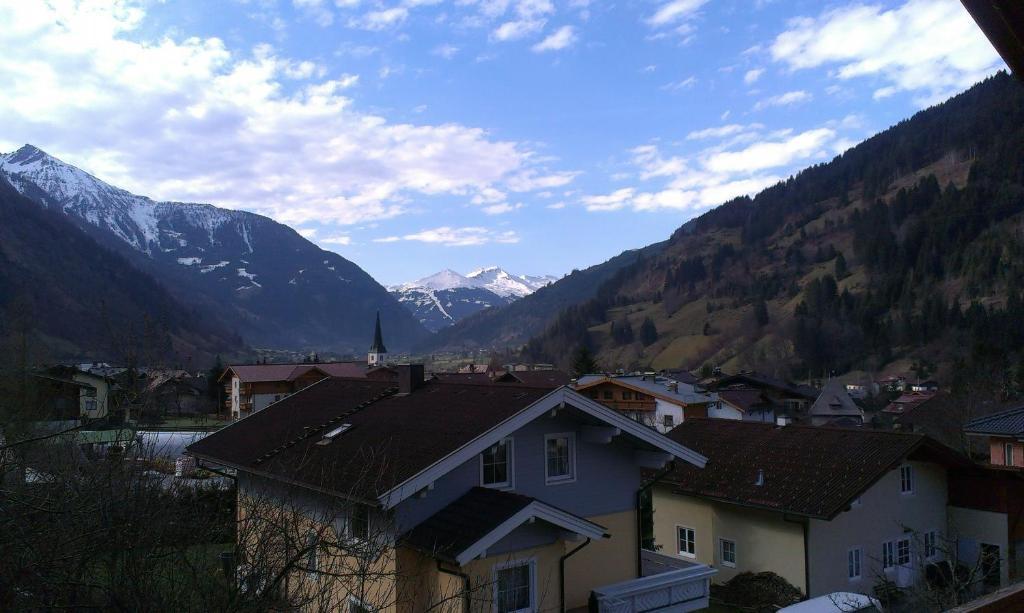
1002, 21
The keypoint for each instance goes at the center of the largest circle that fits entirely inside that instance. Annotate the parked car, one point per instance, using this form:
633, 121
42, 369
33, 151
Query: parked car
836, 602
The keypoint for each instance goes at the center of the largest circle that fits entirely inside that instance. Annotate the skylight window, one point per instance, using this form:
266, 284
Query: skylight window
333, 434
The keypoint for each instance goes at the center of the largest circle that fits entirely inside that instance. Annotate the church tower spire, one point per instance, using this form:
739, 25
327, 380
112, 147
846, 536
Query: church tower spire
378, 353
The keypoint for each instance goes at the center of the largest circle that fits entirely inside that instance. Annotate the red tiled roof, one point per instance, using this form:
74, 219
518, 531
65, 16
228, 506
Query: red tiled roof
811, 471
391, 438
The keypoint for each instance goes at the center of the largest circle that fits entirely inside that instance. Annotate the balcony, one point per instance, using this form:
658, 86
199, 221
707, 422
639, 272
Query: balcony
668, 585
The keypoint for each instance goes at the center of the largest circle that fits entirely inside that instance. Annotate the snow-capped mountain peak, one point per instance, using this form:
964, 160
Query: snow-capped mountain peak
505, 284
446, 279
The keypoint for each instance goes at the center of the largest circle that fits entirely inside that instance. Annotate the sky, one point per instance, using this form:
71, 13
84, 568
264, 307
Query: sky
411, 136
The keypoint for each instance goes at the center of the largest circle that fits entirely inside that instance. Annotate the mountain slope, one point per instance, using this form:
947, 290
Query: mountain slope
905, 249
512, 325
87, 301
262, 278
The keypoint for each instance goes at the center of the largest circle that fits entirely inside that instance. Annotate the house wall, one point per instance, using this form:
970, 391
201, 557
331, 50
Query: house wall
884, 514
765, 541
972, 527
546, 576
102, 396
724, 410
605, 561
663, 408
997, 451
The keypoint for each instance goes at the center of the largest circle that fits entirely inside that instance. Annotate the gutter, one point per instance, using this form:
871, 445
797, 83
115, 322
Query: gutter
639, 515
561, 572
466, 593
807, 551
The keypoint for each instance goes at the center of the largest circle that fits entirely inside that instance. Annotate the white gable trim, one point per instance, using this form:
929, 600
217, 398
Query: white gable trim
534, 510
554, 399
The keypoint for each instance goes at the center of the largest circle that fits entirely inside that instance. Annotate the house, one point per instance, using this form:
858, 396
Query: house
651, 399
859, 390
835, 407
892, 383
57, 397
747, 403
252, 387
829, 509
925, 386
511, 495
793, 399
905, 402
536, 378
1004, 434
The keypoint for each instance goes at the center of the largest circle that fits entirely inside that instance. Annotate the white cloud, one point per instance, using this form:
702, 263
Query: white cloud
459, 237
336, 240
559, 39
719, 132
191, 119
753, 75
771, 154
674, 11
786, 99
387, 239
502, 208
556, 205
930, 47
520, 28
446, 50
383, 19
686, 83
318, 10
306, 232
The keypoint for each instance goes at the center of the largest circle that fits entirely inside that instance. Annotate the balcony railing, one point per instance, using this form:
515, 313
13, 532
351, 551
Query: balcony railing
668, 585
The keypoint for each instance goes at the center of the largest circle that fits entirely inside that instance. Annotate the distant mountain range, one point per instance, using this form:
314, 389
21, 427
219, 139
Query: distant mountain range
251, 275
446, 297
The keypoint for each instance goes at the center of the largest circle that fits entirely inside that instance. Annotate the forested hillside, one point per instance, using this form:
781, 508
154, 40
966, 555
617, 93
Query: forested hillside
905, 250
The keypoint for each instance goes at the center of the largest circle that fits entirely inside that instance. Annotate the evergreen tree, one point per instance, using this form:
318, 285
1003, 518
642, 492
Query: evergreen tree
648, 332
761, 312
622, 331
583, 362
840, 266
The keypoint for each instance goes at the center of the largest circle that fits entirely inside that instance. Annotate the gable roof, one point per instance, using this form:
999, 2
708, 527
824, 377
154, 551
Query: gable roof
745, 399
758, 380
396, 444
834, 401
809, 471
536, 378
481, 517
264, 373
655, 386
1003, 423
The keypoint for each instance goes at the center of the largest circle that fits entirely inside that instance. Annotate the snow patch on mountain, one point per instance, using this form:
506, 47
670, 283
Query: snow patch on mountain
506, 284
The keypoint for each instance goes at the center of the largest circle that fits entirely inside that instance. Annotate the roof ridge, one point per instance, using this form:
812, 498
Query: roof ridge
309, 431
991, 416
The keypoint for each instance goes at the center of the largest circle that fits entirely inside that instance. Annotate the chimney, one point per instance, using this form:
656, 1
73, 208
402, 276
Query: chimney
410, 378
673, 386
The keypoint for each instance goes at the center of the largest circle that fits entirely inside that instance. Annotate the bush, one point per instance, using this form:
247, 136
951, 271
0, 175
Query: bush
757, 591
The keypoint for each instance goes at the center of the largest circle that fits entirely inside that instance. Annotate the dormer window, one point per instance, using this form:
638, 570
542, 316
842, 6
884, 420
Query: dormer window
496, 465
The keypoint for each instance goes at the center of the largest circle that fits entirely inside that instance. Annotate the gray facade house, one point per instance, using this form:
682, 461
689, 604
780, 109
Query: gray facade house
522, 497
835, 407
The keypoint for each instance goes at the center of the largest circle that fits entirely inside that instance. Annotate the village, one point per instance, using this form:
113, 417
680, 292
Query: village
524, 487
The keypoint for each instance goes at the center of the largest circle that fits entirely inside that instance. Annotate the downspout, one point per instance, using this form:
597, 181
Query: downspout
640, 518
561, 572
807, 552
465, 584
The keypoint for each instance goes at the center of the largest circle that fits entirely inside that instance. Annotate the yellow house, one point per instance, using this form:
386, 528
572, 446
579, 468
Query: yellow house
449, 496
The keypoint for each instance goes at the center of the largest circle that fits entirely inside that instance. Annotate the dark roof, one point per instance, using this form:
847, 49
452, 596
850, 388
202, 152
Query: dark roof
392, 437
682, 376
754, 379
378, 339
479, 378
745, 399
537, 378
261, 373
810, 471
456, 527
1002, 21
1005, 423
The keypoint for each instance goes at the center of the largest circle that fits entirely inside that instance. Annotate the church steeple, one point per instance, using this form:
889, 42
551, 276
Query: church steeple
378, 352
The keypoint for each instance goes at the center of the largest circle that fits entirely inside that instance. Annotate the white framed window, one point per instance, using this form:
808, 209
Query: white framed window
668, 420
931, 544
903, 552
313, 553
888, 554
496, 465
89, 404
515, 587
1008, 454
727, 552
907, 479
560, 458
686, 541
853, 562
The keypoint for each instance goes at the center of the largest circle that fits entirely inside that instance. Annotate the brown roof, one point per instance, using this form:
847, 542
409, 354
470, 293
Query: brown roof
744, 399
538, 378
811, 471
392, 437
464, 377
261, 373
907, 401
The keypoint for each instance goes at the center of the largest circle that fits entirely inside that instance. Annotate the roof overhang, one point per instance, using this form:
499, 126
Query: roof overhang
554, 400
1002, 21
533, 511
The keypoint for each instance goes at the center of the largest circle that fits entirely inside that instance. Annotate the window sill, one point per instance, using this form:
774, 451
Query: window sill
729, 564
497, 486
560, 481
689, 556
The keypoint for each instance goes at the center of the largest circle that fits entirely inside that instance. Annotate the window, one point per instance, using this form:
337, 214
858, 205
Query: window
607, 394
1008, 454
687, 541
89, 404
496, 464
727, 552
907, 479
627, 395
930, 544
560, 458
359, 523
853, 564
896, 553
513, 586
312, 553
356, 605
668, 420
